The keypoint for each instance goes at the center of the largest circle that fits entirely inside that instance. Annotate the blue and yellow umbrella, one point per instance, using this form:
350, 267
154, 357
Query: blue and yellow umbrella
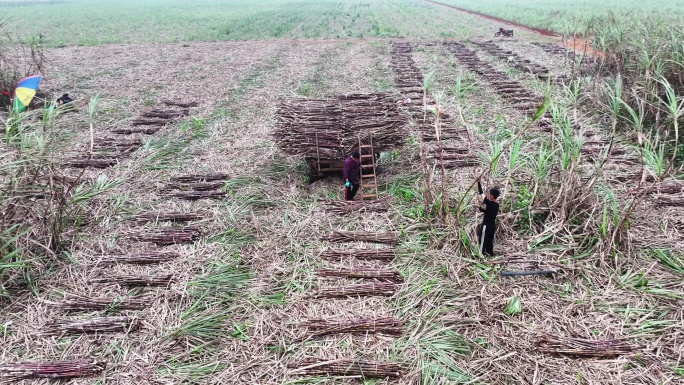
26, 90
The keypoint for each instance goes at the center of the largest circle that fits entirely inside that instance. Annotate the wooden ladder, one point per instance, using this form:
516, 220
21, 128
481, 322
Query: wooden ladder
369, 182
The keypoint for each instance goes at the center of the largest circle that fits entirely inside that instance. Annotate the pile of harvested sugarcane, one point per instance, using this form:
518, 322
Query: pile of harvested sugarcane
136, 130
452, 157
379, 274
147, 258
198, 186
166, 217
164, 114
197, 195
365, 254
210, 177
91, 325
670, 200
362, 236
386, 289
163, 280
116, 145
168, 235
584, 348
346, 207
180, 104
55, 369
93, 161
665, 188
330, 128
388, 326
76, 302
343, 367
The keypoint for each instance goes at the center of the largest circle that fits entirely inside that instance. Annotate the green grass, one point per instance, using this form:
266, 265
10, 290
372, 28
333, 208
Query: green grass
566, 16
96, 22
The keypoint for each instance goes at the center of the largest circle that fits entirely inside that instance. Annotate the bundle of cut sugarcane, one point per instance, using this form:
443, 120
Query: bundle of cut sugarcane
447, 151
455, 163
346, 207
386, 289
389, 326
166, 217
328, 128
192, 178
199, 186
147, 258
54, 369
180, 104
364, 369
365, 254
197, 195
163, 280
94, 162
168, 235
117, 145
92, 325
149, 122
165, 114
76, 302
664, 200
665, 188
584, 348
136, 130
379, 274
309, 127
362, 236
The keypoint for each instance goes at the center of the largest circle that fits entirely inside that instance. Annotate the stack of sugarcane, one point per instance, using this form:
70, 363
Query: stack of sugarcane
168, 235
584, 348
310, 127
197, 195
56, 369
166, 217
165, 114
386, 289
376, 114
163, 280
94, 161
364, 369
116, 145
363, 236
388, 326
330, 128
665, 188
210, 177
346, 207
379, 274
150, 122
147, 258
136, 130
196, 186
180, 104
92, 325
385, 255
665, 200
452, 157
77, 302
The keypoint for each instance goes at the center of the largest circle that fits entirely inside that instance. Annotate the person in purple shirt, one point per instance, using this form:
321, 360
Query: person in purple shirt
352, 175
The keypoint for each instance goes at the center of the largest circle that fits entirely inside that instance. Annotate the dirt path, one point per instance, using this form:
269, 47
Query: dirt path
578, 44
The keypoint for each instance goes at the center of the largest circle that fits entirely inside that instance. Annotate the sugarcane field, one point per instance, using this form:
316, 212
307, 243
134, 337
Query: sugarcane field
342, 192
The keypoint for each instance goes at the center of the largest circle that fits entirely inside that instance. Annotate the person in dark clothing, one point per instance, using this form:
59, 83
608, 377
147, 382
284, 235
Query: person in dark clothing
490, 210
352, 175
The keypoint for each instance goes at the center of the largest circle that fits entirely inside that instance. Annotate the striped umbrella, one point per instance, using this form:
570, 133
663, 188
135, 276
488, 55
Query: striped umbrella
26, 90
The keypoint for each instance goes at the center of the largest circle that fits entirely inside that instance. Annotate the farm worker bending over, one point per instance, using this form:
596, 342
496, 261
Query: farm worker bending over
352, 175
490, 210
